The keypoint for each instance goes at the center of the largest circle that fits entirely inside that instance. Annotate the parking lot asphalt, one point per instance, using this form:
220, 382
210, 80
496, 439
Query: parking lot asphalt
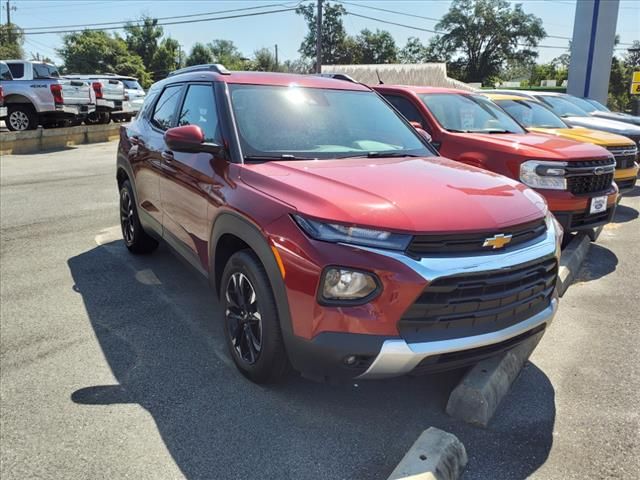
113, 366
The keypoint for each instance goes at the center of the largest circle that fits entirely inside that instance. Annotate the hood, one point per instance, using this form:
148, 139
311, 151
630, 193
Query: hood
587, 135
426, 195
540, 146
618, 116
605, 124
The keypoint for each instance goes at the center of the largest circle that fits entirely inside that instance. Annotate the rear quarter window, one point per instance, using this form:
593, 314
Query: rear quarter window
17, 70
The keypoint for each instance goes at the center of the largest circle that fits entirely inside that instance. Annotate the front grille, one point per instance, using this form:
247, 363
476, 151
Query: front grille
586, 219
581, 176
473, 242
625, 156
473, 304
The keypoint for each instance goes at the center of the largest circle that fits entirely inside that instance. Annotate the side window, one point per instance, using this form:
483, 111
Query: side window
166, 107
17, 70
145, 111
5, 73
406, 108
199, 108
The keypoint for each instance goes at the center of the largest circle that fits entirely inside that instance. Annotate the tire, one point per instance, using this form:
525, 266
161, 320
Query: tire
135, 238
252, 328
104, 118
21, 117
92, 119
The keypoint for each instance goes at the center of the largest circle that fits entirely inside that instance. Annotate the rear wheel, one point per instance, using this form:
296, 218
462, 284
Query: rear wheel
21, 117
135, 238
252, 325
104, 118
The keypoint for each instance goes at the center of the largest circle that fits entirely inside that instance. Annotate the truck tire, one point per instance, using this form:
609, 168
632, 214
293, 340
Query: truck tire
92, 119
251, 322
21, 117
104, 118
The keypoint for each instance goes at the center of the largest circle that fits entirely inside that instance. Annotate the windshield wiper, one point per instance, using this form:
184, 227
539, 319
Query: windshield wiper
266, 158
383, 155
497, 131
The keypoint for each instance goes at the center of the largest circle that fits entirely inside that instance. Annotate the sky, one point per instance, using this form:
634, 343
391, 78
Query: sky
285, 29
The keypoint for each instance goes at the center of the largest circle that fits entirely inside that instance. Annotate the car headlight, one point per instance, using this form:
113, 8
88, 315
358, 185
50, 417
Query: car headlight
553, 224
341, 284
547, 175
367, 237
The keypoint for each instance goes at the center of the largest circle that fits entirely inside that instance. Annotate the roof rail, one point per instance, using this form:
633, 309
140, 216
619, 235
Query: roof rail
208, 67
338, 76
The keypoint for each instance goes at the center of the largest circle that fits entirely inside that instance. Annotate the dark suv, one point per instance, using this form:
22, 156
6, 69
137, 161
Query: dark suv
324, 222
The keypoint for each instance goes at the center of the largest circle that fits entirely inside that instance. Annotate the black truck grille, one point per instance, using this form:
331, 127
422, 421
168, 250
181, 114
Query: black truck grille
582, 177
473, 242
474, 304
625, 156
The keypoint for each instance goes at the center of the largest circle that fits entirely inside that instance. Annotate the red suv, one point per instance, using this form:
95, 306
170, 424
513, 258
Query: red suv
336, 239
575, 178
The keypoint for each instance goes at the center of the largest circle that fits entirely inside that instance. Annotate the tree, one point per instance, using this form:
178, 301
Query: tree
199, 55
632, 58
413, 51
375, 47
143, 39
226, 53
336, 48
11, 41
166, 58
297, 66
40, 58
264, 61
487, 33
95, 51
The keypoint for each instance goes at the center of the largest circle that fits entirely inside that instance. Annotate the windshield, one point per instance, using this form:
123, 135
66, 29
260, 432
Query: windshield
598, 105
563, 108
296, 122
582, 103
469, 113
531, 114
131, 84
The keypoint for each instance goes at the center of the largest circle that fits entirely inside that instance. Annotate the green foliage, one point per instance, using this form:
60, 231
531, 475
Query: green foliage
143, 39
11, 41
264, 61
95, 51
336, 47
375, 47
226, 53
485, 34
165, 59
199, 55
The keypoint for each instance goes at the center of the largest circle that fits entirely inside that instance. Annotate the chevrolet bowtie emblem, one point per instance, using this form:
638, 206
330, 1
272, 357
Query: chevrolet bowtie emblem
497, 241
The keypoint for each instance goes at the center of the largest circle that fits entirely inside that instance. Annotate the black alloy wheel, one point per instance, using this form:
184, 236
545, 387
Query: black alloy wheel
243, 317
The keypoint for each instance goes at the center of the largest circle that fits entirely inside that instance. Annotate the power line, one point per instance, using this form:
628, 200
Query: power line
438, 32
120, 22
389, 11
198, 20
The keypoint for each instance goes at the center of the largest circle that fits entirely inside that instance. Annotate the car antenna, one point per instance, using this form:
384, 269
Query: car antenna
380, 82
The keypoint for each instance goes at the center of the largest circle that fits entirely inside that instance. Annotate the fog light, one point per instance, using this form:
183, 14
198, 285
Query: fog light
341, 284
350, 360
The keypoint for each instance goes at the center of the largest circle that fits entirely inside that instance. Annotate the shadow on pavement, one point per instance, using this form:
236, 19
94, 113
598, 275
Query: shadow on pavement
633, 193
599, 262
160, 331
624, 214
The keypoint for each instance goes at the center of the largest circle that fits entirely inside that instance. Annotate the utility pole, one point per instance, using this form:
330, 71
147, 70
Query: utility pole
319, 38
276, 56
9, 8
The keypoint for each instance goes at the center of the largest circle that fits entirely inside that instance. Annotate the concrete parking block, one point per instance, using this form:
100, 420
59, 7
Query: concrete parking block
477, 396
571, 261
435, 455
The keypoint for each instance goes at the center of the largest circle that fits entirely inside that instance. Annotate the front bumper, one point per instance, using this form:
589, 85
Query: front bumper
398, 357
580, 220
328, 354
626, 178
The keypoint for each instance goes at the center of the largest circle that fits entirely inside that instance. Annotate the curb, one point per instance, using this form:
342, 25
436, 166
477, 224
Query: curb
435, 455
34, 141
571, 261
476, 398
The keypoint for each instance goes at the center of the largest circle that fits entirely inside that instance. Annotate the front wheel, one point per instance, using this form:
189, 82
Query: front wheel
135, 238
252, 325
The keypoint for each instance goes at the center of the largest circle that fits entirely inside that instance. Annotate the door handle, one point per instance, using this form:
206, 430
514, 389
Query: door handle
167, 156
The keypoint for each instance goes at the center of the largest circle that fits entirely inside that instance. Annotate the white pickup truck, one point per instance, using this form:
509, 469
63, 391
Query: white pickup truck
110, 96
133, 98
36, 95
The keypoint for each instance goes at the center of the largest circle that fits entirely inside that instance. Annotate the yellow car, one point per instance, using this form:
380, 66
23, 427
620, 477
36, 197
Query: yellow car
535, 117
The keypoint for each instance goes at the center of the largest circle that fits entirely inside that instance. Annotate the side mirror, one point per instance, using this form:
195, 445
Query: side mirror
423, 133
190, 139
